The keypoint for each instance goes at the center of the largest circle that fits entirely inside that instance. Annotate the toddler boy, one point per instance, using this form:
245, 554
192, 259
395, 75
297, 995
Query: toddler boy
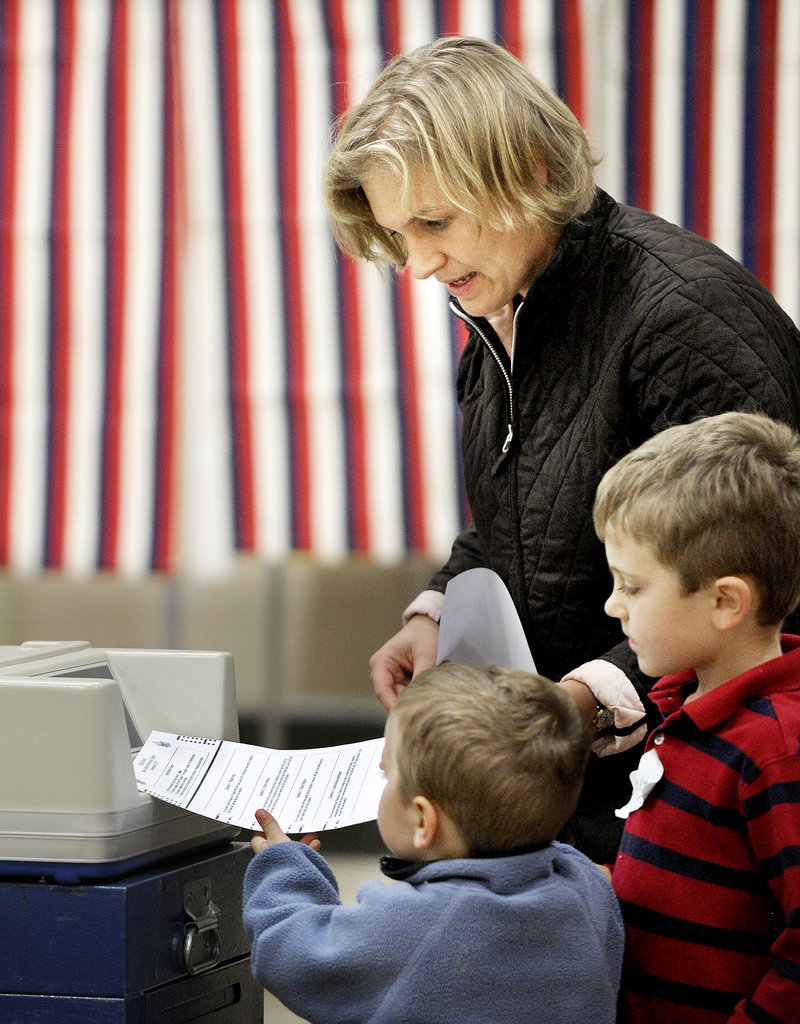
488, 918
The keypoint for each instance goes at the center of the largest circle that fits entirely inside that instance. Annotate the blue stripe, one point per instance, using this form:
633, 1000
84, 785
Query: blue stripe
673, 992
773, 796
781, 862
631, 133
728, 754
691, 867
690, 44
691, 803
692, 931
235, 495
761, 706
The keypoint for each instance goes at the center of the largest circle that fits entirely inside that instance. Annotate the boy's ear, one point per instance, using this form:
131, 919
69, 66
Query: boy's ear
426, 826
734, 598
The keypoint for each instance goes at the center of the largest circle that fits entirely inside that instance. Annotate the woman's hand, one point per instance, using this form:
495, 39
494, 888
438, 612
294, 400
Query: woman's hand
408, 653
273, 833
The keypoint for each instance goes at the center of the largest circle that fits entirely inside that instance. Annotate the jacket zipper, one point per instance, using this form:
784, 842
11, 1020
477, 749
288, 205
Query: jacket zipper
509, 390
517, 573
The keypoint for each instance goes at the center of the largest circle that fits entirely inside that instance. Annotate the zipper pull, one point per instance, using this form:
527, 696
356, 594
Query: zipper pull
508, 440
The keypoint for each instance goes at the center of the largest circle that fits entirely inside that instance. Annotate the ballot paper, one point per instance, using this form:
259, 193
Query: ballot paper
480, 625
305, 790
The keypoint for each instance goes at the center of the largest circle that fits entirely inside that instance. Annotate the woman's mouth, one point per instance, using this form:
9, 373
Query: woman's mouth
459, 284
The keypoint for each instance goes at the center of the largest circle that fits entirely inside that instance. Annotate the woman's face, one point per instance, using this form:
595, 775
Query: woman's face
482, 267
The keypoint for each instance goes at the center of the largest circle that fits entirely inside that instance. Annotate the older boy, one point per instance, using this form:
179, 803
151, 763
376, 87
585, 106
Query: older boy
488, 918
701, 526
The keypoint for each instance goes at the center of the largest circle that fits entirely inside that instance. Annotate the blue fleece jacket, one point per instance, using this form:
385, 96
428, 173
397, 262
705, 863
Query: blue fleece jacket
535, 937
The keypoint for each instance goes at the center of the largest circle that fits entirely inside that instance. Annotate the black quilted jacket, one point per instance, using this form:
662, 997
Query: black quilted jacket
633, 326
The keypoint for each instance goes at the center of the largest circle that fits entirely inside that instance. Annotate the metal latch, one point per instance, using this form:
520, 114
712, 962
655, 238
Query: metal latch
201, 947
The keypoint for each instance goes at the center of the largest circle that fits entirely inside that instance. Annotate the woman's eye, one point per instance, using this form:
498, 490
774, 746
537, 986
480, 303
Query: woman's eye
437, 225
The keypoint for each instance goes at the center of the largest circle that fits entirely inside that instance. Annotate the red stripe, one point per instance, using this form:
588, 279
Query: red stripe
572, 57
766, 56
352, 340
61, 308
642, 47
117, 268
292, 254
511, 28
701, 129
238, 304
174, 217
449, 17
9, 120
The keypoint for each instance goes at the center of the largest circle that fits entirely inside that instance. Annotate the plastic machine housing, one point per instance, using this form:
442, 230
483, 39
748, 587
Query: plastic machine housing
72, 716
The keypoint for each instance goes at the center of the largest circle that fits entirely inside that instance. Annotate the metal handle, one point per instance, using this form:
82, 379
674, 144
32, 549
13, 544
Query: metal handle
201, 946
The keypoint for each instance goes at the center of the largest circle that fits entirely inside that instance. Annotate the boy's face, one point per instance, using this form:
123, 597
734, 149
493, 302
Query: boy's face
668, 630
396, 814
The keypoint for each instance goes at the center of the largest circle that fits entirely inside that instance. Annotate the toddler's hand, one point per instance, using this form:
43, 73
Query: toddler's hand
273, 833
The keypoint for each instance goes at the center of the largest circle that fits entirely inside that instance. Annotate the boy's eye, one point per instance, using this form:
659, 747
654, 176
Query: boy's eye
627, 589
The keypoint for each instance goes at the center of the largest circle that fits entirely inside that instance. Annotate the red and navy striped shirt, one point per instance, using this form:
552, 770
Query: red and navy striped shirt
708, 873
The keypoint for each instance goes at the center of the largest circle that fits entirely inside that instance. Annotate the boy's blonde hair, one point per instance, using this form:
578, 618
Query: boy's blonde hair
716, 497
501, 751
500, 146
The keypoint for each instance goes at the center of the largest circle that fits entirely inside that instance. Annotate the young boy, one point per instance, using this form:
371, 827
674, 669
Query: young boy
701, 526
488, 918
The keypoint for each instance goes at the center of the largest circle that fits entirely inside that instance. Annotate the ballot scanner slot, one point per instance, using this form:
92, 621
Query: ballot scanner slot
100, 670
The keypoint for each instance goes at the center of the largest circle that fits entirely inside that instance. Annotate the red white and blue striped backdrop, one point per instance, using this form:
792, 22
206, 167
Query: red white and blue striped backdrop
188, 367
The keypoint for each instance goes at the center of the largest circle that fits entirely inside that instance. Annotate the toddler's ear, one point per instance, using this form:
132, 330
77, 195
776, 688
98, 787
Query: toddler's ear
426, 825
734, 597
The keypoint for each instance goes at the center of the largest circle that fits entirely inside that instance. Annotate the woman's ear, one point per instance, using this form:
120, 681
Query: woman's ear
734, 597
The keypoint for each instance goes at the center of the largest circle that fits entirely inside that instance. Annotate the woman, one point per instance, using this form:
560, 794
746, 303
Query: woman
592, 326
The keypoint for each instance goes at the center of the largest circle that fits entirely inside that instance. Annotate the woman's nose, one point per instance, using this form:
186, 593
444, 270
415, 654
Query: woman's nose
424, 260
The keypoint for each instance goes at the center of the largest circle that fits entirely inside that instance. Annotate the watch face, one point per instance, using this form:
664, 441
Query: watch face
603, 719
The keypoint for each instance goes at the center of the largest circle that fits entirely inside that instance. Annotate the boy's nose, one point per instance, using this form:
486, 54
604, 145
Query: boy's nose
613, 606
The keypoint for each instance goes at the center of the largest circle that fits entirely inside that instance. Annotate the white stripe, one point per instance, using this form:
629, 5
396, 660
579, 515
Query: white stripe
436, 403
668, 110
538, 42
787, 160
477, 18
87, 277
32, 216
144, 174
605, 43
323, 369
728, 126
266, 328
417, 24
206, 516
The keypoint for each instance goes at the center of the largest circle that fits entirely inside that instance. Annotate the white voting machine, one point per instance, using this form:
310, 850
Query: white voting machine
71, 717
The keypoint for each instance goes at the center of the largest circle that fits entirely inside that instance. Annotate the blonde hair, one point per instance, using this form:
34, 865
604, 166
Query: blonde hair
716, 497
502, 751
500, 146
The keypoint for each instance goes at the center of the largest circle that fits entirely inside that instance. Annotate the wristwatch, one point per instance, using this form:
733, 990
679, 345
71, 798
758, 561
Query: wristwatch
603, 717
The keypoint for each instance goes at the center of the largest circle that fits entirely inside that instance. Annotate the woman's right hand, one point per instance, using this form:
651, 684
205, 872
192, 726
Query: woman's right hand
408, 653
